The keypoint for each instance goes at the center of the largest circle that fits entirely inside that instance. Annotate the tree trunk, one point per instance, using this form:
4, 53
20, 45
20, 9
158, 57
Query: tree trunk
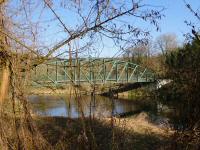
4, 57
4, 83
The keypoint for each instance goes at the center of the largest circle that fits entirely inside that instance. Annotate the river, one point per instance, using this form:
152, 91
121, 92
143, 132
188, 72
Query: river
48, 105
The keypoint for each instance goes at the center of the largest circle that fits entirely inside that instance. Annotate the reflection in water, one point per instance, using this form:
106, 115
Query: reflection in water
69, 107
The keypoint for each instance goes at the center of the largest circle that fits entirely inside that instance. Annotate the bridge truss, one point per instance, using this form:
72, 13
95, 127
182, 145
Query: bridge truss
90, 70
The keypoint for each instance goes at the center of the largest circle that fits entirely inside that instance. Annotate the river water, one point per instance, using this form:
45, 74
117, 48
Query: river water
67, 106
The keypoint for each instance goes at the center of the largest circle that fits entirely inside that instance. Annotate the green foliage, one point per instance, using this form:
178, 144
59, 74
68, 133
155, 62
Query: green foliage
185, 58
184, 69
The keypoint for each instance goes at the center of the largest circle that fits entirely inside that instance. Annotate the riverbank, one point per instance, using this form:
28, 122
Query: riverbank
84, 89
54, 91
135, 132
136, 94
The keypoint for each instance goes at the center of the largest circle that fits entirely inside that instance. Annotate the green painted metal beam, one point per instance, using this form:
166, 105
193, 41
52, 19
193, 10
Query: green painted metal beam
92, 70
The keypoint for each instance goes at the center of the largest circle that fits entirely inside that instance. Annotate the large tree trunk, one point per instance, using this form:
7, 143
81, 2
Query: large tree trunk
4, 57
4, 83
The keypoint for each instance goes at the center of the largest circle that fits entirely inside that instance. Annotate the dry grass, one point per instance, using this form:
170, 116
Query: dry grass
142, 124
127, 133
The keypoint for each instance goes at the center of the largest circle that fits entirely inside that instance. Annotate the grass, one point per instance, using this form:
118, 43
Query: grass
128, 133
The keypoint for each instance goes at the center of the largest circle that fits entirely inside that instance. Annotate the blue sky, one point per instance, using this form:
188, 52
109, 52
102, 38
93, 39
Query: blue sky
175, 14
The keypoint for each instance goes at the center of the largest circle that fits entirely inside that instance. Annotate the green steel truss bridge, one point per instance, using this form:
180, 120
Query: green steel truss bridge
90, 70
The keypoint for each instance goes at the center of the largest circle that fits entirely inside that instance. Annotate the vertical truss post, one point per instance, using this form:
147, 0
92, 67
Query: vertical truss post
127, 64
90, 70
93, 73
116, 77
65, 77
47, 70
104, 71
56, 71
79, 71
74, 67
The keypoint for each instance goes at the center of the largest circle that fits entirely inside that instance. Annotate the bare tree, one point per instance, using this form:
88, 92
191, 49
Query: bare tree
139, 53
34, 28
95, 20
166, 43
195, 28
